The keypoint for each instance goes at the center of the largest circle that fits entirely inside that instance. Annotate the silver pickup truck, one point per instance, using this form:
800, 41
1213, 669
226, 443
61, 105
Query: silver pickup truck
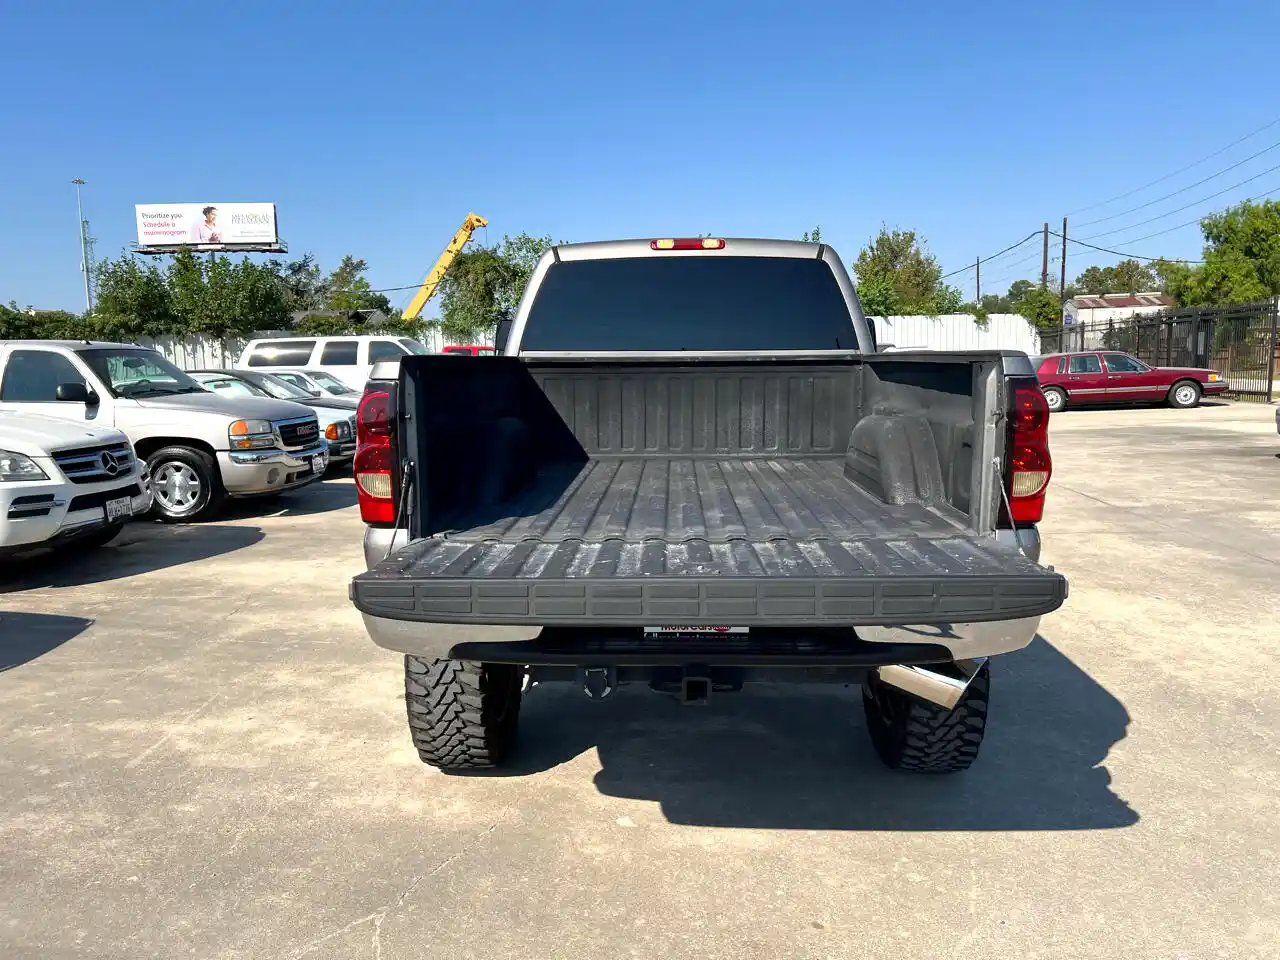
693, 469
200, 447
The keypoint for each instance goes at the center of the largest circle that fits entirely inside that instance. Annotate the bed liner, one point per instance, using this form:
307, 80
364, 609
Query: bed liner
749, 541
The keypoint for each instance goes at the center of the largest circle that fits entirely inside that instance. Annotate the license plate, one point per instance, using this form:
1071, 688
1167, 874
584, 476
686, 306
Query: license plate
119, 509
649, 631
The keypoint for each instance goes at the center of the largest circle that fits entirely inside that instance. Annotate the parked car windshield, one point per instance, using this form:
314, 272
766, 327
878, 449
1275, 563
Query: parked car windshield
137, 373
282, 389
332, 384
228, 386
693, 303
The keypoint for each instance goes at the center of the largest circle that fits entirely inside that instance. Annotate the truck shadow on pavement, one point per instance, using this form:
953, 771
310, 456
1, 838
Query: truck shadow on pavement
140, 548
799, 757
26, 636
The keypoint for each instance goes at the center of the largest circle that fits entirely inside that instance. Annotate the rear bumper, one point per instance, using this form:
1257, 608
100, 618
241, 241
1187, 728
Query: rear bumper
862, 647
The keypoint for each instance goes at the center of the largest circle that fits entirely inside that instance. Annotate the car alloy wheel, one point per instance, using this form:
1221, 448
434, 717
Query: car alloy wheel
177, 488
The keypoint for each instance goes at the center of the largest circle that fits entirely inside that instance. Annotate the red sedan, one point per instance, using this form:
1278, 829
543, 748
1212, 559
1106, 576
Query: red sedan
1105, 376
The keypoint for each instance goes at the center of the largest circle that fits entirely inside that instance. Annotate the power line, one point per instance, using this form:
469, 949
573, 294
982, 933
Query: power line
1185, 206
1161, 233
1012, 246
1122, 253
1149, 203
1167, 176
1015, 270
411, 286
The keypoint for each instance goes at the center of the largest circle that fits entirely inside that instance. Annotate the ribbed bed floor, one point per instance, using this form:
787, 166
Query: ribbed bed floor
681, 500
704, 518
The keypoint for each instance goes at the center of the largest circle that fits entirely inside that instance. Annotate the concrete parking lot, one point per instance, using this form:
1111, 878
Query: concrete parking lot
202, 755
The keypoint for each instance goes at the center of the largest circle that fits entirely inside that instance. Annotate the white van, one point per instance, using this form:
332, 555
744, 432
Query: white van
347, 358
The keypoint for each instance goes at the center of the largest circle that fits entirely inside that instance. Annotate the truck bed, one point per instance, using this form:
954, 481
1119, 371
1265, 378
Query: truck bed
610, 538
678, 500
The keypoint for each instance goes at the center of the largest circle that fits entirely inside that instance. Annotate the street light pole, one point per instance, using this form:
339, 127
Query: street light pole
84, 249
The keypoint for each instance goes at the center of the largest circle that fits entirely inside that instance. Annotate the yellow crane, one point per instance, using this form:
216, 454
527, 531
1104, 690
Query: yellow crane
428, 289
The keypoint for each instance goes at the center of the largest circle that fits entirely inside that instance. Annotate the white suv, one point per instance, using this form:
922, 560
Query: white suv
66, 482
347, 358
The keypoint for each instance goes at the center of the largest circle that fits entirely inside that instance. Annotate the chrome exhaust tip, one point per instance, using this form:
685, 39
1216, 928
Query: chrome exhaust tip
944, 689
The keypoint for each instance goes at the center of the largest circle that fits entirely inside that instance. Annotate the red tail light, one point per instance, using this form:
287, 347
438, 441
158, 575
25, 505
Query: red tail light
374, 458
1029, 464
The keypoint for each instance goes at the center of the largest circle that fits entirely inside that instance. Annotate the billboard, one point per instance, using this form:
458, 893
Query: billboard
208, 225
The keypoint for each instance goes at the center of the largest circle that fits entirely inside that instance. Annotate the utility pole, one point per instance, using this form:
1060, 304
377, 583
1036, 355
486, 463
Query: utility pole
1044, 262
1062, 290
84, 248
977, 266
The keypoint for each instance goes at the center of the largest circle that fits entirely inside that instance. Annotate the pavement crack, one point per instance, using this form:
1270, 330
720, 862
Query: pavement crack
379, 916
170, 732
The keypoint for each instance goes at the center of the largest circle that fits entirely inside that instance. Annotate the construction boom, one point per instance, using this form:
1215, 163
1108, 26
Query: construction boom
441, 267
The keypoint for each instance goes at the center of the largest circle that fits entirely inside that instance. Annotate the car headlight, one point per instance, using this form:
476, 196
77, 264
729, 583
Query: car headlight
251, 435
1214, 377
17, 466
339, 430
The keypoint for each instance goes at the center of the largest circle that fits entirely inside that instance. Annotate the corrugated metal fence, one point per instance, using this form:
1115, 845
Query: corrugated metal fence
958, 331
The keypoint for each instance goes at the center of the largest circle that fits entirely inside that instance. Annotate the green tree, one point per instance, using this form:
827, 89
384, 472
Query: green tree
878, 296
1041, 306
1127, 276
1241, 259
16, 323
812, 236
222, 298
346, 287
133, 299
484, 286
896, 259
476, 294
304, 284
1017, 290
522, 252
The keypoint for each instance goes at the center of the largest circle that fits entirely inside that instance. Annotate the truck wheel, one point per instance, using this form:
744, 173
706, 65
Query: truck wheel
1056, 398
185, 483
462, 715
912, 734
1185, 393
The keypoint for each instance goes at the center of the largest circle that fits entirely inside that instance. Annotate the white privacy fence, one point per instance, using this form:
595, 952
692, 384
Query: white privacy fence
202, 353
958, 331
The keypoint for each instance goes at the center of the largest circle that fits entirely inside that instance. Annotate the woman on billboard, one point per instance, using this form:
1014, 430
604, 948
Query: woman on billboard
206, 230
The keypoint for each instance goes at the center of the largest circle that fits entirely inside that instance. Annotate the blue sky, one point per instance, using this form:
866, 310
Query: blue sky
375, 127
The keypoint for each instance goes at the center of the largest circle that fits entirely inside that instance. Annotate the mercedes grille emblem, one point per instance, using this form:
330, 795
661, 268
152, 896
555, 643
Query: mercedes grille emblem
110, 465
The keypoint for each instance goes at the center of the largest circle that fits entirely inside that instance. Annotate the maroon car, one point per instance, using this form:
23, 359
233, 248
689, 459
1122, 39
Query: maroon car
1105, 376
